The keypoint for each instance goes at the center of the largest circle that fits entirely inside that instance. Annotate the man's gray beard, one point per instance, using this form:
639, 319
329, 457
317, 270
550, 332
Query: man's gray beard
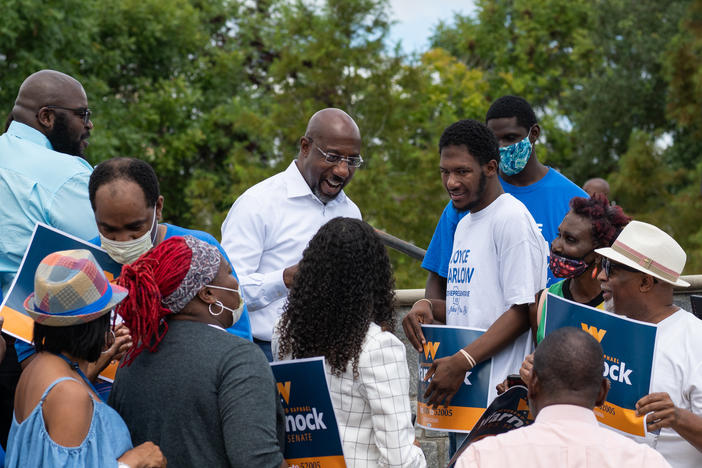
609, 305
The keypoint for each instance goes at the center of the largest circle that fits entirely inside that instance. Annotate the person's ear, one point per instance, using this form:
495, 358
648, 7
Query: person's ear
206, 295
534, 133
305, 146
490, 168
46, 118
647, 283
533, 393
602, 394
159, 208
534, 386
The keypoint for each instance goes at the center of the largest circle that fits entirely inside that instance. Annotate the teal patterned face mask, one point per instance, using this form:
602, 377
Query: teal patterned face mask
514, 157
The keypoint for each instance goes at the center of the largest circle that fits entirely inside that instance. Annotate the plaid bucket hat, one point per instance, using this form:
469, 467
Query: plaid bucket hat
70, 288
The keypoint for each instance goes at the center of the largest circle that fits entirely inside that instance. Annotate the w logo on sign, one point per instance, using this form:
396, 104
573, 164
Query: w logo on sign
430, 348
284, 390
594, 331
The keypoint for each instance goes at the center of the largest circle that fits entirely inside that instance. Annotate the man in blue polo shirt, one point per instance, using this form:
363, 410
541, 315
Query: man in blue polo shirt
126, 198
544, 191
43, 178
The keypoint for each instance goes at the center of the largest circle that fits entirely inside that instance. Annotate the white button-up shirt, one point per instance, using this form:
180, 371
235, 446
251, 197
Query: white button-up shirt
266, 231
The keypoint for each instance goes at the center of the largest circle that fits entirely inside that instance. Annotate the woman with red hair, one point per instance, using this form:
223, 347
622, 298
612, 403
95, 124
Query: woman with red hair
590, 224
207, 396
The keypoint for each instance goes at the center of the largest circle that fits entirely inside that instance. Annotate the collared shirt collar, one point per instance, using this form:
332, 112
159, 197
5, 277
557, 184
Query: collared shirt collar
566, 412
296, 185
26, 132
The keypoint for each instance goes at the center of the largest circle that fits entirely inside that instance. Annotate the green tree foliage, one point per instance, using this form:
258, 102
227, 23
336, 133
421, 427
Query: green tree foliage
215, 94
617, 86
537, 50
650, 190
626, 89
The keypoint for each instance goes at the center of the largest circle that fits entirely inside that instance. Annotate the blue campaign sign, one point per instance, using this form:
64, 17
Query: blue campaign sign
45, 240
469, 403
628, 346
311, 432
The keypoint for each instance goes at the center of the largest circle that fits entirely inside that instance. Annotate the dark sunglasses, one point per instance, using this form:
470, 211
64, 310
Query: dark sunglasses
82, 112
608, 265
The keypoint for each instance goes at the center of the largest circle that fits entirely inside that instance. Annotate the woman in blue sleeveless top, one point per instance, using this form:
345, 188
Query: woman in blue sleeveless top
59, 419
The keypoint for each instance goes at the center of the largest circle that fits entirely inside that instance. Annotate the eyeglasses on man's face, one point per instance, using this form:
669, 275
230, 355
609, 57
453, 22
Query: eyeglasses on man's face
333, 158
82, 112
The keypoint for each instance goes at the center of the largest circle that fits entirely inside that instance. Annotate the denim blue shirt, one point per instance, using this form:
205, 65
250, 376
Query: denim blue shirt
38, 184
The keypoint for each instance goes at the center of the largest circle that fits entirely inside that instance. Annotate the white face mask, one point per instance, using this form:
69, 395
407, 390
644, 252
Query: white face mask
236, 313
125, 252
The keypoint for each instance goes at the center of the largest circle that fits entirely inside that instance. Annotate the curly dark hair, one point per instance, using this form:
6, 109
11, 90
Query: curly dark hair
607, 221
344, 283
512, 106
476, 137
132, 169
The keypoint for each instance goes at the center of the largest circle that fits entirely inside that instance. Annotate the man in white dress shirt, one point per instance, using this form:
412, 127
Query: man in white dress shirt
271, 223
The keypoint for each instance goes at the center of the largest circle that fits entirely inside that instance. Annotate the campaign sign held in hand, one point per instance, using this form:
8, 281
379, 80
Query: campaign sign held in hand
311, 433
470, 401
45, 240
628, 346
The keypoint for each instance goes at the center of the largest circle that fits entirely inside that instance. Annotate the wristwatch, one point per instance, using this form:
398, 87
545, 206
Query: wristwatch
122, 465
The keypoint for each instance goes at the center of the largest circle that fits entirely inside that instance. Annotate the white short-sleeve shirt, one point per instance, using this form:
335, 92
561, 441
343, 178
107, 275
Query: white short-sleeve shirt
498, 260
678, 372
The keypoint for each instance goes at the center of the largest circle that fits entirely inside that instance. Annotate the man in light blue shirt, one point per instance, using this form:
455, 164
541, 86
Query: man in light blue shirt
43, 177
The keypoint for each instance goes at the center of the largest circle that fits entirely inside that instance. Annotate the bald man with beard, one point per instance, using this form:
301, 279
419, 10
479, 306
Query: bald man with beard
43, 179
271, 223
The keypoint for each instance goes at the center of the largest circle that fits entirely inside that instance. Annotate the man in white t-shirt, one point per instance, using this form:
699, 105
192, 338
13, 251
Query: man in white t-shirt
497, 265
271, 223
637, 278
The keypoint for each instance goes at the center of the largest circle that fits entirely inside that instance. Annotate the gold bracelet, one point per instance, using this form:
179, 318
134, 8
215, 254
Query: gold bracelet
431, 306
468, 357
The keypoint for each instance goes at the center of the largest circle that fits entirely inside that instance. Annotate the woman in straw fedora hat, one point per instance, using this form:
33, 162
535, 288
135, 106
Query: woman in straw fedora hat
59, 419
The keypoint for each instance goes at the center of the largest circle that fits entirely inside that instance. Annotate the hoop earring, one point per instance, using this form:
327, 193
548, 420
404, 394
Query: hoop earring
221, 309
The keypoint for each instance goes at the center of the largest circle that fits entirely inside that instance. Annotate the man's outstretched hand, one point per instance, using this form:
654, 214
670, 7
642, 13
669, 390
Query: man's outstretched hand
446, 374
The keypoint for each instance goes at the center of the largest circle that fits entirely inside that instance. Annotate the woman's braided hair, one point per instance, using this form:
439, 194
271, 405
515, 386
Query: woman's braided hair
155, 275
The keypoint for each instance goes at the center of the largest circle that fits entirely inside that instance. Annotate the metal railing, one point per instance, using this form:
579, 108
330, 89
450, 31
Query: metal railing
400, 245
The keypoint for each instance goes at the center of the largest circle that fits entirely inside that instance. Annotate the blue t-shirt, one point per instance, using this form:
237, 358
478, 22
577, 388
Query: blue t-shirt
548, 201
241, 328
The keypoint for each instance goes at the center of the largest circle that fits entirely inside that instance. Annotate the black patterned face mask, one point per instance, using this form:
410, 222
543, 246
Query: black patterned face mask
564, 267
